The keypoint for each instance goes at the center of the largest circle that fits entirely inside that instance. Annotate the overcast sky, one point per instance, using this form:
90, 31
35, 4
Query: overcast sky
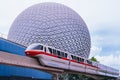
101, 16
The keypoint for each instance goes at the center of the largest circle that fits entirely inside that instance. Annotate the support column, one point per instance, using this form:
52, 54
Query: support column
60, 76
55, 76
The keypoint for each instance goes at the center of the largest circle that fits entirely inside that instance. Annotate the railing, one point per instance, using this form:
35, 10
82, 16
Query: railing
3, 36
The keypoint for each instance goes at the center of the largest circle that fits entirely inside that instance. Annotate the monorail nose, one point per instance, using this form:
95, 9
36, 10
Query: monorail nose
27, 53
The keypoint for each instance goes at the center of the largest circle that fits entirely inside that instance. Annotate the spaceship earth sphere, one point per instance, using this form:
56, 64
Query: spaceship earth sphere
54, 25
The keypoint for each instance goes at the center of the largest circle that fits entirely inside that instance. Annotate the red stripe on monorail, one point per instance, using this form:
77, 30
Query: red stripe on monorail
91, 65
32, 53
83, 63
35, 53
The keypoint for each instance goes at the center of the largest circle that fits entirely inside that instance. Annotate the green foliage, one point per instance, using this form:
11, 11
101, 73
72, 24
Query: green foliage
94, 59
74, 77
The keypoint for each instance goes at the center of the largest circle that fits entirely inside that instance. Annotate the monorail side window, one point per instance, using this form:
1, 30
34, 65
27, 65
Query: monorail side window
58, 52
81, 60
66, 55
62, 54
50, 50
78, 59
72, 56
75, 58
89, 62
54, 51
45, 49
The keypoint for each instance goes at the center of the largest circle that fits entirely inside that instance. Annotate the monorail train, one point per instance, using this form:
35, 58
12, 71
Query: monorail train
49, 56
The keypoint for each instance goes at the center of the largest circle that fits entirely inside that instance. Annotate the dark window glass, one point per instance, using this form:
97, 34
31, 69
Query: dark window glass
37, 47
75, 58
45, 49
72, 56
78, 59
66, 55
50, 50
54, 51
89, 62
81, 60
62, 54
58, 53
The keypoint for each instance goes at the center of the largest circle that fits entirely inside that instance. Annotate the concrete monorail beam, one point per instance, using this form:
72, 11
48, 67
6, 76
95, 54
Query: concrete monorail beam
24, 61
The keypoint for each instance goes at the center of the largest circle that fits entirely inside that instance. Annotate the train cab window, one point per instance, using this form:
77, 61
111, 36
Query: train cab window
50, 50
36, 47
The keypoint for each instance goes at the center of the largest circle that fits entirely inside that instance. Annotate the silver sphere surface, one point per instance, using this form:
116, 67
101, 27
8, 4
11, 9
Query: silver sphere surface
54, 25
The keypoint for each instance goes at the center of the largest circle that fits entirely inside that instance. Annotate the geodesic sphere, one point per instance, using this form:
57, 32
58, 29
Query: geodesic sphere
54, 25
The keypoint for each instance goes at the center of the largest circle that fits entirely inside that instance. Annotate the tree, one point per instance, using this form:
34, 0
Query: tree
94, 59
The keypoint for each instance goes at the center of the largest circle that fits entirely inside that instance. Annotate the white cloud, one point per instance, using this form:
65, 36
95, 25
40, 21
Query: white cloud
110, 60
96, 39
95, 51
96, 47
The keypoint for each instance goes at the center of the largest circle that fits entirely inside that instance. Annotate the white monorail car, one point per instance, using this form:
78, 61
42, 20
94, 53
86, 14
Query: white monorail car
49, 56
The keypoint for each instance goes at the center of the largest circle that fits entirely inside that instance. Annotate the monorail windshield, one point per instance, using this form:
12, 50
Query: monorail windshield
35, 47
